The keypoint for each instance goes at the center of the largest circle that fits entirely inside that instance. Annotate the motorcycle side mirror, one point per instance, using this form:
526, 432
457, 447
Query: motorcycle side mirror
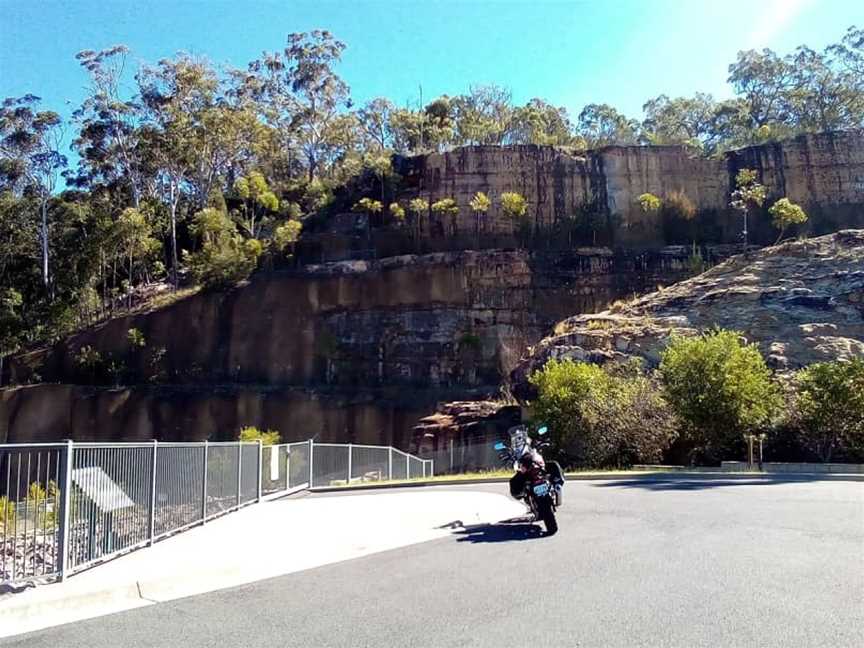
500, 446
543, 430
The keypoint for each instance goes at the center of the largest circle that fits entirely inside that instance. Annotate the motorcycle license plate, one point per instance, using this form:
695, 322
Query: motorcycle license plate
541, 489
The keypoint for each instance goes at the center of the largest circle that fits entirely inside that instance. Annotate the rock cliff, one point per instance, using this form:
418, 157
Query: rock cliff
801, 302
359, 350
356, 350
824, 173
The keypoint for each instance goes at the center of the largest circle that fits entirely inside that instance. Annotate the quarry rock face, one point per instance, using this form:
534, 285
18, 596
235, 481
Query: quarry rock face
353, 349
824, 173
359, 350
801, 302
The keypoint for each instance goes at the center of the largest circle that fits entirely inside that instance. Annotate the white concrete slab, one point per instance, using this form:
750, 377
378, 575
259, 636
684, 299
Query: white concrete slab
261, 541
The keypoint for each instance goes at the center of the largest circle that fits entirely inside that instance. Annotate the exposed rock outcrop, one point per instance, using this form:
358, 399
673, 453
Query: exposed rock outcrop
801, 301
365, 348
357, 350
824, 172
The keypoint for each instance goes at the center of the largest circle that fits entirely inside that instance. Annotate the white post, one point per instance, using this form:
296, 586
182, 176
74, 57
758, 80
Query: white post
261, 466
66, 503
204, 485
390, 463
153, 494
348, 483
239, 469
287, 466
407, 467
311, 451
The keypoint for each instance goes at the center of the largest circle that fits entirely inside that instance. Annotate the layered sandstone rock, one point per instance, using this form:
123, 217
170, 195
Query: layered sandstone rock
50, 412
386, 338
824, 172
801, 302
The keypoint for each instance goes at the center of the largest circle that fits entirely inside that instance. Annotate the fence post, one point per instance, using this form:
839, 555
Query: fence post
65, 520
239, 469
311, 451
431, 467
390, 463
261, 465
153, 493
204, 485
348, 483
407, 467
287, 466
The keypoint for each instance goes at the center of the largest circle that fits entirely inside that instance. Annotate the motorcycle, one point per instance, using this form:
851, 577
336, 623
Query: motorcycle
543, 481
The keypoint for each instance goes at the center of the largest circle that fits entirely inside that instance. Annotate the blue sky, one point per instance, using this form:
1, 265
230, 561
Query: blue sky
571, 53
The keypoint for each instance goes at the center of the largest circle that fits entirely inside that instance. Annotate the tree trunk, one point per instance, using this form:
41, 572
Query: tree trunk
43, 234
173, 236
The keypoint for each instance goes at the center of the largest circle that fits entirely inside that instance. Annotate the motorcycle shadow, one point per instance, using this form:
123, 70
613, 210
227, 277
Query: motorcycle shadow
505, 531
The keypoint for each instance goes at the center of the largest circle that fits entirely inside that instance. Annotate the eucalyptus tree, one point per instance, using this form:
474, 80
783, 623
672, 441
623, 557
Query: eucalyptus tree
483, 115
602, 125
108, 139
681, 120
175, 94
31, 162
374, 119
539, 122
764, 81
304, 99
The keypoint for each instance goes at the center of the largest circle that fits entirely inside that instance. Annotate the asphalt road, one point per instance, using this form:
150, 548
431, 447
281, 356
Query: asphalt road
648, 562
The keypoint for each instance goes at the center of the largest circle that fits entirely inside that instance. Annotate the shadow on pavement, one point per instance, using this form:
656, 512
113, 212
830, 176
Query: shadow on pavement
693, 483
502, 532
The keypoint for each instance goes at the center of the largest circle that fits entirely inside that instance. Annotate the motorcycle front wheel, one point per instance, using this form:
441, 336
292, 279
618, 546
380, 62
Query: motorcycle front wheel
547, 514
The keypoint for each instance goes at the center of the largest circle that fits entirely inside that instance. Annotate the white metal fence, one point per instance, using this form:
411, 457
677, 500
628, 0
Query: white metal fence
67, 506
477, 454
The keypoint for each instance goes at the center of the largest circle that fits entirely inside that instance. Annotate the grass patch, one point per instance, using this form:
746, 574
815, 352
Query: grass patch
487, 474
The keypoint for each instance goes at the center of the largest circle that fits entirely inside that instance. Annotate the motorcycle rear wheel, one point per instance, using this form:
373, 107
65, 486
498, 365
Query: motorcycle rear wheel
547, 514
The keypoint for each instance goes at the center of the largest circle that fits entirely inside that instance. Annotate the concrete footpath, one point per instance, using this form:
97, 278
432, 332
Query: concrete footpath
271, 539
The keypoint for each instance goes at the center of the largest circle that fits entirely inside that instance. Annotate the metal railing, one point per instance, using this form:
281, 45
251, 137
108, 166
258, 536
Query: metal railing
67, 506
335, 464
476, 455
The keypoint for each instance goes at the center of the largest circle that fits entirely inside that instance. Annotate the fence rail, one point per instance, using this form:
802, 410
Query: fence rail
67, 506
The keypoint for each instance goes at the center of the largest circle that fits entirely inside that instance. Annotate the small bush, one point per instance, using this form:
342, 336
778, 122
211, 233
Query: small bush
678, 205
252, 433
225, 256
649, 203
601, 417
514, 205
720, 388
7, 514
43, 502
785, 213
136, 338
829, 408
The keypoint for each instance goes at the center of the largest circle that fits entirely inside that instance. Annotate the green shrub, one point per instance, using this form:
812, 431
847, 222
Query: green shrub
785, 213
7, 514
678, 205
829, 408
513, 205
225, 256
720, 388
43, 503
252, 433
649, 203
602, 417
136, 338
